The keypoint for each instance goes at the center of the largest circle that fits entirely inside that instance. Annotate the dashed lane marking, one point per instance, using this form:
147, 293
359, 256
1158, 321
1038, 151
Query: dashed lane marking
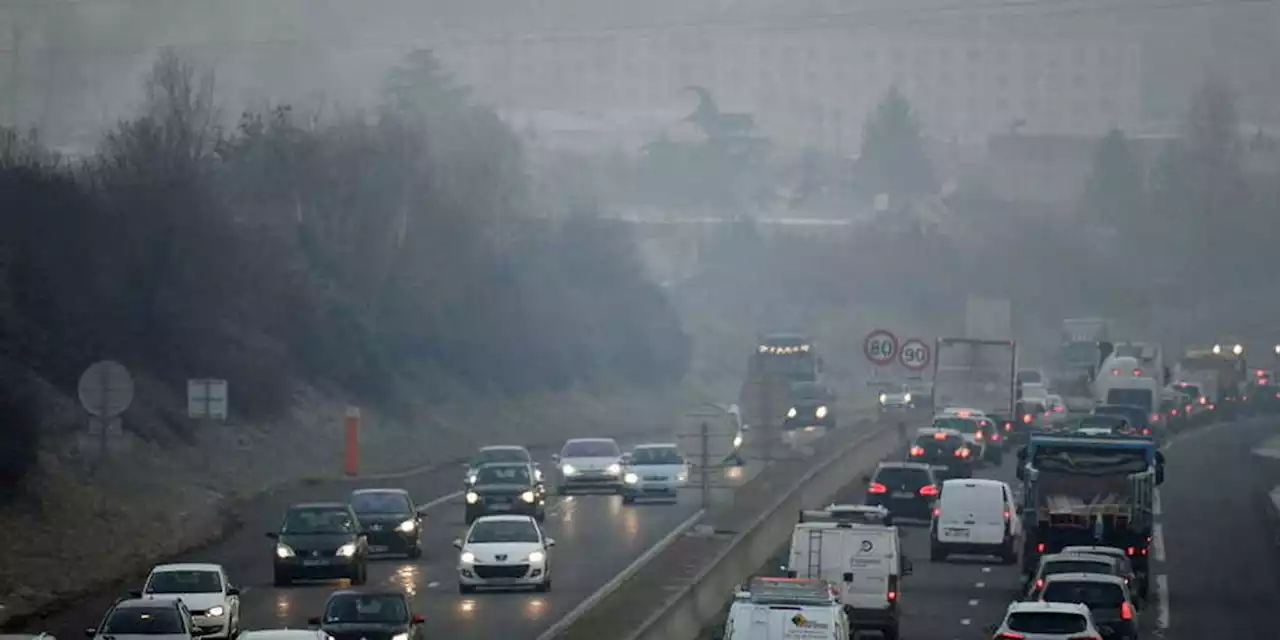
986, 569
965, 621
1162, 601
973, 603
1157, 542
442, 499
432, 585
980, 585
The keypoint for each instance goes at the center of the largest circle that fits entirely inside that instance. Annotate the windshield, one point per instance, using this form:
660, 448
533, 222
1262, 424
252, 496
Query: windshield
1133, 415
1102, 422
1130, 397
380, 608
1030, 407
1078, 566
963, 425
1189, 389
143, 621
381, 502
184, 582
500, 455
947, 444
808, 391
1081, 353
792, 366
901, 477
503, 475
1095, 595
656, 455
591, 449
503, 531
1047, 622
1029, 376
323, 520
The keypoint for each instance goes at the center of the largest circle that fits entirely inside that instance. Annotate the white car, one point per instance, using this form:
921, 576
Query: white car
205, 589
284, 634
899, 398
1055, 410
653, 471
589, 463
504, 552
1047, 621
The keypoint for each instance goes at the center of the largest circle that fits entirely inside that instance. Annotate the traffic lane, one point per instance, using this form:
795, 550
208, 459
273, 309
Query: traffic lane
246, 554
1220, 557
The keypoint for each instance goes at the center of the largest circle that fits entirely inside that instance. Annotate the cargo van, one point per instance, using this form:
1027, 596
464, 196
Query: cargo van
862, 561
786, 609
975, 517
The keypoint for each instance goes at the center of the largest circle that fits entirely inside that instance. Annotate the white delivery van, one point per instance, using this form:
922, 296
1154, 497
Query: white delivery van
975, 516
786, 609
862, 561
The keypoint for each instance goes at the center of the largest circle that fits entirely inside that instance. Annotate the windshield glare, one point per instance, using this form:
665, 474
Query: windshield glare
503, 475
899, 477
143, 621
656, 455
184, 582
304, 521
963, 425
591, 449
385, 609
1091, 594
1047, 623
500, 455
503, 531
382, 502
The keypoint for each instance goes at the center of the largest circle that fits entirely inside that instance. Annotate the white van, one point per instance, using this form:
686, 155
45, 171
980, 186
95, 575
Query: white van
975, 516
1141, 392
863, 561
785, 609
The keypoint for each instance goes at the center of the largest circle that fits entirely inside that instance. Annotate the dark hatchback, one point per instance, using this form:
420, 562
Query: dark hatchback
906, 489
812, 405
359, 614
505, 488
1107, 597
945, 451
320, 541
391, 521
1137, 417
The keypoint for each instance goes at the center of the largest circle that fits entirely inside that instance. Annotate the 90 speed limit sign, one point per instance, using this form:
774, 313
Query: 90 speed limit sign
914, 355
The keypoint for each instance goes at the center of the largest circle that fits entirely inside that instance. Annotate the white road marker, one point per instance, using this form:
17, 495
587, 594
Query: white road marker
980, 585
1155, 503
965, 621
1157, 542
986, 569
973, 603
432, 585
1162, 601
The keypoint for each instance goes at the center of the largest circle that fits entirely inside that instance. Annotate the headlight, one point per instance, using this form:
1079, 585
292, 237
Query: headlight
884, 397
284, 551
537, 475
347, 550
682, 477
215, 611
527, 497
467, 557
408, 526
400, 636
614, 469
821, 412
537, 556
471, 479
472, 497
737, 441
791, 413
568, 470
906, 397
631, 478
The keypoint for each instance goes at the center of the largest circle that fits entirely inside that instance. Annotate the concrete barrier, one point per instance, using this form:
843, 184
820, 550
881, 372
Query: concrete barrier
700, 602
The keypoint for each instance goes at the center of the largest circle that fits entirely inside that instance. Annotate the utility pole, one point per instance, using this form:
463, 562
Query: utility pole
704, 464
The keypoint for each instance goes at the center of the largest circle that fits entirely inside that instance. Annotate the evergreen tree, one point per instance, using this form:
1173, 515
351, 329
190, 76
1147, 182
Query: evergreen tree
893, 158
1114, 192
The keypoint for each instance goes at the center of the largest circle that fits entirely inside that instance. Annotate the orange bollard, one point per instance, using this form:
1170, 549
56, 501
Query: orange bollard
353, 441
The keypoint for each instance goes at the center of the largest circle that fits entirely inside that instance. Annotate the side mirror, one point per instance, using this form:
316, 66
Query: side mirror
866, 479
551, 542
421, 511
457, 543
233, 591
907, 567
90, 632
847, 577
555, 457
625, 459
136, 593
990, 629
314, 621
273, 535
418, 618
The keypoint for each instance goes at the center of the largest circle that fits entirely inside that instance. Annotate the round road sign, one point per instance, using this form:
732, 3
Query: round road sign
914, 354
106, 389
880, 347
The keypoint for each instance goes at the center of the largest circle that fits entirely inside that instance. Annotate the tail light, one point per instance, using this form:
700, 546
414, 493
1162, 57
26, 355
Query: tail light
962, 452
1126, 611
876, 487
978, 436
1007, 515
917, 450
1008, 426
893, 589
1146, 432
995, 437
1204, 400
1009, 635
1174, 412
929, 490
1131, 551
939, 436
1188, 408
1026, 418
1040, 548
1155, 417
1137, 372
1212, 407
1115, 372
1039, 583
937, 512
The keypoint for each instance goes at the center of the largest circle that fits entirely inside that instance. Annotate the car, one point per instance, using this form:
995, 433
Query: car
589, 463
985, 420
979, 433
393, 523
359, 614
900, 397
1030, 416
498, 453
320, 541
205, 590
1046, 621
943, 449
505, 487
653, 471
740, 438
284, 634
975, 516
1138, 419
504, 552
1055, 409
1119, 555
1108, 598
1100, 426
146, 619
905, 489
813, 404
1055, 563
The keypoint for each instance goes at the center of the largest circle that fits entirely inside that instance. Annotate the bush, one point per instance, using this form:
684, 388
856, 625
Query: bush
20, 439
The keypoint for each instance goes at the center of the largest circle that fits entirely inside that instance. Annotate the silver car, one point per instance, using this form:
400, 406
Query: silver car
147, 619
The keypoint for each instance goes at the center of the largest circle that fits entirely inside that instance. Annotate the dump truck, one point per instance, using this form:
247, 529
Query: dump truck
976, 374
1089, 490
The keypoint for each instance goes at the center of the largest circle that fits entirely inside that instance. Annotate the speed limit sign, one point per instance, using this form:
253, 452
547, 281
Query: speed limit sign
914, 354
880, 347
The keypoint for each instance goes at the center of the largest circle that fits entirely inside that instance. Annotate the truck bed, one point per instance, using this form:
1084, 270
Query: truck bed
1071, 499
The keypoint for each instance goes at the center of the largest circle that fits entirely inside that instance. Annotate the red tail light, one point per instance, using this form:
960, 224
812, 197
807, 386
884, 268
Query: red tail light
1026, 418
929, 490
995, 437
1126, 611
1146, 432
917, 450
1009, 635
1130, 551
978, 436
937, 512
1007, 515
1174, 412
1039, 582
939, 436
1008, 426
1040, 548
1204, 400
1115, 372
876, 487
1212, 407
1137, 372
893, 589
962, 452
1155, 417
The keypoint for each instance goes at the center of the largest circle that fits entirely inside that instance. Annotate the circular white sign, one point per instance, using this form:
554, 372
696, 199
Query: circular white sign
880, 347
914, 355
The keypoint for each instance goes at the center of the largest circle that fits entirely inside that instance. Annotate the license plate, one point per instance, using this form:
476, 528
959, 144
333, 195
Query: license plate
318, 562
378, 548
903, 495
957, 532
500, 507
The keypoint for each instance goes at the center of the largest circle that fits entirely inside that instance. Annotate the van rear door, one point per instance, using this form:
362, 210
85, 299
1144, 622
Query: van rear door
972, 513
860, 560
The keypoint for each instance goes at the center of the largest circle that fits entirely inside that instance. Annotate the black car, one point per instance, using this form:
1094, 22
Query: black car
391, 521
360, 614
812, 405
943, 449
906, 489
498, 453
982, 431
163, 618
1137, 417
506, 488
320, 541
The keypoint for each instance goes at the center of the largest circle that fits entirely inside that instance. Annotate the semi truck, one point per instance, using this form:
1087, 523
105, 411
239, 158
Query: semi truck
1089, 490
1230, 369
971, 373
785, 379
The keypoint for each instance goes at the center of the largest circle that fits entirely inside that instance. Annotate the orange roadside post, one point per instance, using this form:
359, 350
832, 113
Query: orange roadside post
353, 441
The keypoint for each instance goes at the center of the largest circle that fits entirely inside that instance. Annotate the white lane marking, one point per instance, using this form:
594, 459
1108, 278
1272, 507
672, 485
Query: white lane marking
965, 621
1275, 497
1194, 434
973, 603
441, 500
1155, 503
1162, 601
432, 585
613, 584
986, 569
1157, 542
980, 585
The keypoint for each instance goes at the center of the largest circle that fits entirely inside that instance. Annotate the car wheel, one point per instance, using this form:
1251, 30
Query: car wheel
415, 552
543, 587
361, 575
466, 588
282, 580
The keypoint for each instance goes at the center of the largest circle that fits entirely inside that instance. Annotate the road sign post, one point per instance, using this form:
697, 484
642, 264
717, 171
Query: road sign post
105, 391
915, 355
207, 399
880, 347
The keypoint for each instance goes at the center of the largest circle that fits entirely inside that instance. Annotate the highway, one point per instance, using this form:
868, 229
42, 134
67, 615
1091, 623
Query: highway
597, 537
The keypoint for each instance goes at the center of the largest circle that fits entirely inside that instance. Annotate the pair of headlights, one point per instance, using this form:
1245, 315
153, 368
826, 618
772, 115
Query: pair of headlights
528, 496
569, 470
820, 412
534, 557
285, 551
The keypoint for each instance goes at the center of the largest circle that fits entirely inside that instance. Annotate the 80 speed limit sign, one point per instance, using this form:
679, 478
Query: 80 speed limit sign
914, 354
